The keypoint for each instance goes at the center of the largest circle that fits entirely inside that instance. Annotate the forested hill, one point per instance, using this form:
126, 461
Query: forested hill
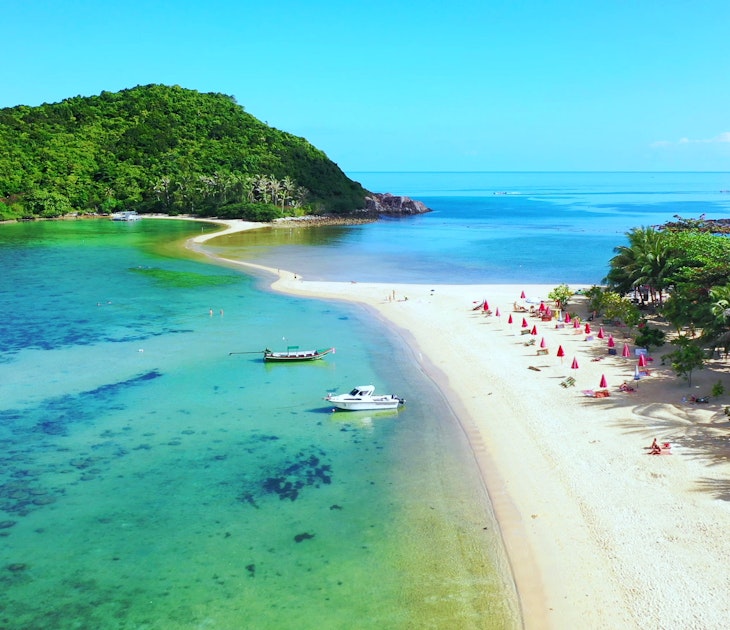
159, 148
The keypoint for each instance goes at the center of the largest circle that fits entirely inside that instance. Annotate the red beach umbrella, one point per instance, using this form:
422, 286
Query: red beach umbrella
600, 333
611, 342
485, 305
524, 323
574, 365
642, 360
604, 383
542, 307
534, 330
567, 318
626, 352
542, 343
561, 352
497, 312
509, 320
588, 328
522, 295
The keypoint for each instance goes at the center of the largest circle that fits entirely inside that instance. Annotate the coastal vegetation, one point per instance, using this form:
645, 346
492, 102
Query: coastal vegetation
166, 149
676, 274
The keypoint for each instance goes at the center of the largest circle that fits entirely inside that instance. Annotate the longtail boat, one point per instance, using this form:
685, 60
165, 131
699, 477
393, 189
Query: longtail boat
293, 353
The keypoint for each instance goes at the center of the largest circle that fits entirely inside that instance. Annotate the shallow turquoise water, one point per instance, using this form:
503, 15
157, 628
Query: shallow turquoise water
150, 479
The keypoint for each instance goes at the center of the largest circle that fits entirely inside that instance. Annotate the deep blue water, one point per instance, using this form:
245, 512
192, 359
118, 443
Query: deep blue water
494, 227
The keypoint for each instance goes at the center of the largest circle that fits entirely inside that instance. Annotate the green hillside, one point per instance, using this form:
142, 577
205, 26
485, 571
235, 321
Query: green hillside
158, 148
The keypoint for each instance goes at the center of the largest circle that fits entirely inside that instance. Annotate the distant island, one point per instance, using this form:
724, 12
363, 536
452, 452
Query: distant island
167, 149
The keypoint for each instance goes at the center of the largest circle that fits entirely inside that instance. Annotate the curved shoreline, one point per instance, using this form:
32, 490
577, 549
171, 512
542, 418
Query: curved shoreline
582, 511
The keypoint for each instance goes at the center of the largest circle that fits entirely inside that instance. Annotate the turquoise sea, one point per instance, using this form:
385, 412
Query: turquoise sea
151, 479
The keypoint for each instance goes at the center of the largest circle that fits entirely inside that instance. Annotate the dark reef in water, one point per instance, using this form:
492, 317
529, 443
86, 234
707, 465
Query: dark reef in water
303, 536
306, 471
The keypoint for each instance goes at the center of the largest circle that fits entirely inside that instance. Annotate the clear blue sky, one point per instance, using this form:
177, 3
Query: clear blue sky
389, 85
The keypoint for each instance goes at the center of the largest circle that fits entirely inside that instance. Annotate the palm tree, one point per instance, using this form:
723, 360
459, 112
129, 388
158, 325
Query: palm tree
647, 260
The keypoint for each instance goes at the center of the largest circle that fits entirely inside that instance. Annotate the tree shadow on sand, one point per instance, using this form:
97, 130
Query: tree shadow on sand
697, 432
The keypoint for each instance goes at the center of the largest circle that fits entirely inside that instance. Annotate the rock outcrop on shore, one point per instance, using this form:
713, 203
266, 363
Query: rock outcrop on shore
394, 205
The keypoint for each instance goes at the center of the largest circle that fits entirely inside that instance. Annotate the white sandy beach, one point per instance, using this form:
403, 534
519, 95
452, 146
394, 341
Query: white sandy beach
599, 533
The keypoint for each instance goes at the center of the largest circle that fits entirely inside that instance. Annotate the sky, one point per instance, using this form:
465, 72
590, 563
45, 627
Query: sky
395, 85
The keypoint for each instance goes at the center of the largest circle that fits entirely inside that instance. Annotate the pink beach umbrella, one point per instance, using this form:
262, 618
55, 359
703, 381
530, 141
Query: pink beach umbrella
542, 343
509, 319
574, 365
567, 318
642, 360
600, 333
497, 312
522, 295
524, 323
534, 330
485, 306
604, 383
561, 352
611, 342
588, 328
626, 352
542, 307
576, 323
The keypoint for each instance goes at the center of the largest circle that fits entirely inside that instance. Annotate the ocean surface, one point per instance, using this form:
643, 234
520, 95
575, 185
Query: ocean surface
492, 227
149, 478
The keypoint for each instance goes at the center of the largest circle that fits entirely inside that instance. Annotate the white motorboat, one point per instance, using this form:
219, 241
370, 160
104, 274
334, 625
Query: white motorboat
127, 215
363, 398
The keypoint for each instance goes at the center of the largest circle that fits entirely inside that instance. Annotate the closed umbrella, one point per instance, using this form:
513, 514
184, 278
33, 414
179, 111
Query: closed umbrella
642, 360
576, 323
522, 295
567, 318
561, 352
542, 343
534, 330
509, 319
485, 306
497, 312
524, 323
574, 365
604, 383
611, 342
588, 328
626, 352
542, 307
600, 333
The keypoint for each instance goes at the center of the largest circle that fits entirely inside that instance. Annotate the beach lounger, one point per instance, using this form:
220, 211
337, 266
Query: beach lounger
561, 325
524, 331
542, 351
568, 382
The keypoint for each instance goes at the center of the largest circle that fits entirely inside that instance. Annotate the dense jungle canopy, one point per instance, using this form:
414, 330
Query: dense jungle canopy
160, 148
